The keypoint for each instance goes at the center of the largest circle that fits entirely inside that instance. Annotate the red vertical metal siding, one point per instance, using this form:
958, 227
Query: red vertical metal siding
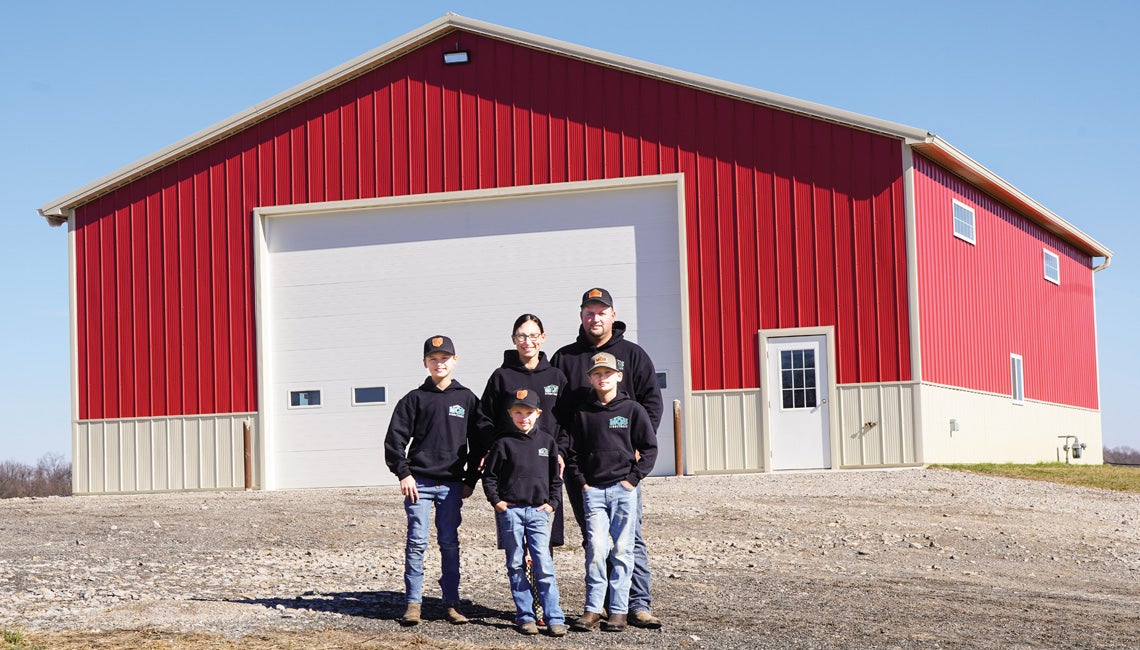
791, 221
980, 303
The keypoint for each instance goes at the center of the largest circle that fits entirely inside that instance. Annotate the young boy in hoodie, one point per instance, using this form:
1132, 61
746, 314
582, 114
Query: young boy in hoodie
602, 332
426, 447
612, 447
521, 480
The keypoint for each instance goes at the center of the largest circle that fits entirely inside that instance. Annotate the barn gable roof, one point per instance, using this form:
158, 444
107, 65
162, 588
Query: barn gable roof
56, 212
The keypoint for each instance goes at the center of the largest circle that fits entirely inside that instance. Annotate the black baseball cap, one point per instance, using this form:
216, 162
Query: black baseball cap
597, 294
439, 343
524, 397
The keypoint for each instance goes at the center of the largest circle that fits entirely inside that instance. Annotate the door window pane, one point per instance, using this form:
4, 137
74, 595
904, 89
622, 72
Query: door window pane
369, 395
798, 378
304, 398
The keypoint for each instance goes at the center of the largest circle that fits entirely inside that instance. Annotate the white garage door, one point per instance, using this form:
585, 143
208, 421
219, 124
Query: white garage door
347, 297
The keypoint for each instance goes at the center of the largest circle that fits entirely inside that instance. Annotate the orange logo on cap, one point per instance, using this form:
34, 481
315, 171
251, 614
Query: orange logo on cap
520, 394
595, 293
437, 341
601, 358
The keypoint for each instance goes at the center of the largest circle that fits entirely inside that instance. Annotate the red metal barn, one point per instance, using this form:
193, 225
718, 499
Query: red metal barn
819, 289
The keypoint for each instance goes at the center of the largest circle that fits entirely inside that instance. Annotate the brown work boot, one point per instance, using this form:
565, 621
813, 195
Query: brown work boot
615, 623
411, 615
528, 627
644, 619
586, 622
454, 616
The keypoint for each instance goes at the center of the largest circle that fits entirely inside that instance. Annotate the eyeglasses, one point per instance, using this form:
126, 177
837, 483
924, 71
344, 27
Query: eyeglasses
519, 338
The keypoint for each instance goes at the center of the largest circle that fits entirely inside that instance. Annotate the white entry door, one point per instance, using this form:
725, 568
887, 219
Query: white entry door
797, 402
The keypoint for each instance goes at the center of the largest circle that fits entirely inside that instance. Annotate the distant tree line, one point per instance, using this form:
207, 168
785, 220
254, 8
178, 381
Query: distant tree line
1121, 455
50, 476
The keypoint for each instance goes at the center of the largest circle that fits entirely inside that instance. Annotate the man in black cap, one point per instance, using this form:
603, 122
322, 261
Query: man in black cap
602, 332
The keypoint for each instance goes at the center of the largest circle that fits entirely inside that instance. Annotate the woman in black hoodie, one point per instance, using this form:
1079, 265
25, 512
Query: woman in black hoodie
526, 366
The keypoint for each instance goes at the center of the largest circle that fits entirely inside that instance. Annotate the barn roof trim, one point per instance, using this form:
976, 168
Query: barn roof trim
57, 211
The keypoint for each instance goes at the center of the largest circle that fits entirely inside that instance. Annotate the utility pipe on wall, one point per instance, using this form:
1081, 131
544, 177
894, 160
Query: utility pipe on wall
678, 457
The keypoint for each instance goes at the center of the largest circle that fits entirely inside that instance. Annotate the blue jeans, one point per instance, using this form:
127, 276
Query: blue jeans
639, 599
525, 528
611, 523
447, 499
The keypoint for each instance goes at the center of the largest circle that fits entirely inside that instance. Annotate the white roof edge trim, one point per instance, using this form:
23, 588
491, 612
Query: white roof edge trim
973, 171
55, 209
236, 122
691, 79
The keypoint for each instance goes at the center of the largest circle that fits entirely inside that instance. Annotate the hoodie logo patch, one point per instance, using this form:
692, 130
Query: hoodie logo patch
544, 452
621, 365
457, 411
619, 422
551, 390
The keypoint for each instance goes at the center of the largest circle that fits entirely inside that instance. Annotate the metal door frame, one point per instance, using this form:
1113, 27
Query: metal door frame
828, 333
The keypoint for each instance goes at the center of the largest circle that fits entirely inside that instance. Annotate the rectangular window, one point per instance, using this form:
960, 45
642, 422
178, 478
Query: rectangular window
1017, 377
369, 395
797, 379
1052, 267
662, 380
963, 221
299, 399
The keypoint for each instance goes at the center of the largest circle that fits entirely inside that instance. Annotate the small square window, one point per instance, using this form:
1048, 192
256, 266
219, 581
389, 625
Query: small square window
1052, 267
369, 395
662, 380
963, 221
1017, 378
304, 398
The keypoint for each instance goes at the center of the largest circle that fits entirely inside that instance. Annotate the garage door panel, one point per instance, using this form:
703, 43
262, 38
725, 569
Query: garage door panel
355, 467
354, 294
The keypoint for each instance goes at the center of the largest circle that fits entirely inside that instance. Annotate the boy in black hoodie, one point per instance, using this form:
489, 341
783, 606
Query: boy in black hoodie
427, 445
612, 447
602, 332
520, 478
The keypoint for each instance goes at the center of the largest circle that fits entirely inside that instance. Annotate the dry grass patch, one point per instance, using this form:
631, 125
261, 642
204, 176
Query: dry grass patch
1104, 477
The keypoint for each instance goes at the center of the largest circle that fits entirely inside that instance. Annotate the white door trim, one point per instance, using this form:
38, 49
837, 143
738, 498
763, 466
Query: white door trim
828, 332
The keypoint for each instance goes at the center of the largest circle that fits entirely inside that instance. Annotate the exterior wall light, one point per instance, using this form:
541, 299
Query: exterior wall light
456, 57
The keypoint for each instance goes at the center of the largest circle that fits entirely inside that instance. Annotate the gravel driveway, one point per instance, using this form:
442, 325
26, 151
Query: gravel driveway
884, 559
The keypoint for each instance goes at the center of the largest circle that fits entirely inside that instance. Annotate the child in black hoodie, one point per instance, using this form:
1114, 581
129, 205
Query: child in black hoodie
431, 431
521, 480
612, 447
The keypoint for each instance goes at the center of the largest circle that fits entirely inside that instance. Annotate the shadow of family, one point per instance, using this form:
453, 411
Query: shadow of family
379, 605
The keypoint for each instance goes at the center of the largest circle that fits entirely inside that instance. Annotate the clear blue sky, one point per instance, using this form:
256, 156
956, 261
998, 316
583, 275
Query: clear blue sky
1045, 94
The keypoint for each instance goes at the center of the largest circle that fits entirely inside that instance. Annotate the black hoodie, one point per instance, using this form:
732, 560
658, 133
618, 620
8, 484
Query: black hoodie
639, 377
440, 425
605, 440
522, 469
545, 380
